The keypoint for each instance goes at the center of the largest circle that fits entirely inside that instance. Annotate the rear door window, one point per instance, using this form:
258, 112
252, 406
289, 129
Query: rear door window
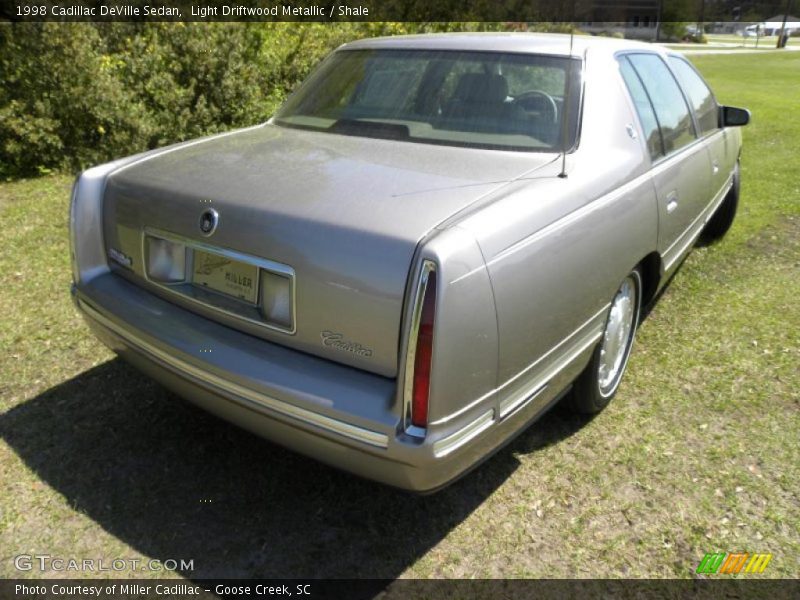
644, 108
671, 110
703, 103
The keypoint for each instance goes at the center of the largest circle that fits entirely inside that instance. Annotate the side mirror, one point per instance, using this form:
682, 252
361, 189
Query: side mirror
730, 116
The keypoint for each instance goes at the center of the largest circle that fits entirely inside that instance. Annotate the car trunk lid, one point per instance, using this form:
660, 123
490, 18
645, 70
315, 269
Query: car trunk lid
344, 213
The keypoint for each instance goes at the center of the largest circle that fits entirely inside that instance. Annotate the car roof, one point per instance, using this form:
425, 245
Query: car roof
557, 44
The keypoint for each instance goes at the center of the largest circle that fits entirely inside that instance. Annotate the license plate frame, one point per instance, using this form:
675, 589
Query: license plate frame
226, 276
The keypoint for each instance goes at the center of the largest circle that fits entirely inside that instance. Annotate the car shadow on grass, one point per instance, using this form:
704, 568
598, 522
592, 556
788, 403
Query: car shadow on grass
173, 482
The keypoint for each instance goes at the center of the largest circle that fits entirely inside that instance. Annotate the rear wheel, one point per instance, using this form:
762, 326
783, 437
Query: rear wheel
596, 386
721, 221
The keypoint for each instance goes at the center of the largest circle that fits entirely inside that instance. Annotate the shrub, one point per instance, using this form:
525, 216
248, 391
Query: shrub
78, 94
698, 38
59, 101
190, 79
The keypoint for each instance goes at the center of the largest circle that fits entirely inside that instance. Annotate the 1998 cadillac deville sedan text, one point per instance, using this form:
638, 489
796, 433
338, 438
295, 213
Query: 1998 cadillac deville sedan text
434, 240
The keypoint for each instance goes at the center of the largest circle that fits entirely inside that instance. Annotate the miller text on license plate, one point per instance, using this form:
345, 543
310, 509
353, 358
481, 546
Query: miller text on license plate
225, 275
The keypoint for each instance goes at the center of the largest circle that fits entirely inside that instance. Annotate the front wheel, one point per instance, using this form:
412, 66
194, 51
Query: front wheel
596, 386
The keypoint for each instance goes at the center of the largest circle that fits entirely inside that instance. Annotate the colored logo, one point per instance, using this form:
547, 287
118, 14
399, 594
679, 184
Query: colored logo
733, 562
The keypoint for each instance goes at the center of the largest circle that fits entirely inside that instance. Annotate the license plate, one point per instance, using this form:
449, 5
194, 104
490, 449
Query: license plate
227, 276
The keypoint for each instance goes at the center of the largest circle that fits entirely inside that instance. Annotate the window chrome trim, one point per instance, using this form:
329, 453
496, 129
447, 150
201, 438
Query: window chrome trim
241, 393
428, 267
261, 263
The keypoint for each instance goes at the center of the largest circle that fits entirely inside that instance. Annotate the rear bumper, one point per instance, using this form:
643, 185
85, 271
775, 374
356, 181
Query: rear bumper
336, 414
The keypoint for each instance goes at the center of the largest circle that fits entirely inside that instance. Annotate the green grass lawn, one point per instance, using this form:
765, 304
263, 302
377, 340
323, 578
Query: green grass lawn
769, 40
702, 49
699, 452
717, 42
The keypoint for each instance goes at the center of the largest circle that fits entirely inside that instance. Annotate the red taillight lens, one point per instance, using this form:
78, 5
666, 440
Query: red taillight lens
422, 358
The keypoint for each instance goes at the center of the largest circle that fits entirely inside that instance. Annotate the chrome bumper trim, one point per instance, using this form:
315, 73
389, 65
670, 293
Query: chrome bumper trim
514, 403
216, 383
454, 441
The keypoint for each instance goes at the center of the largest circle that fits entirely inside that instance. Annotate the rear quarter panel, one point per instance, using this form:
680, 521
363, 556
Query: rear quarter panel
465, 346
557, 248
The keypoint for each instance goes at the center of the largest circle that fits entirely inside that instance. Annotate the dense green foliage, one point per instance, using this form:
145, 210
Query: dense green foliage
73, 95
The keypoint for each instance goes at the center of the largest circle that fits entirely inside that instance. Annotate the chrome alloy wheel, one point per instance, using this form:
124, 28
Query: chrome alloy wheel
618, 335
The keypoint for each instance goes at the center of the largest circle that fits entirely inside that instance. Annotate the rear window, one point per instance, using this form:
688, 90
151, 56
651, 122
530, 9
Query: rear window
479, 99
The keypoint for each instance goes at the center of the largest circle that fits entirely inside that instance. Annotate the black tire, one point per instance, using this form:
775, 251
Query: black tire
721, 221
589, 395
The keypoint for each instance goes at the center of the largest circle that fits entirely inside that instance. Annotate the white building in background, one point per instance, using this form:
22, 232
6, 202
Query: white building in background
773, 26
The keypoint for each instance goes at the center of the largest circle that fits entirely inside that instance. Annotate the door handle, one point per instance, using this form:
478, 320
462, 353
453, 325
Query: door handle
672, 202
715, 166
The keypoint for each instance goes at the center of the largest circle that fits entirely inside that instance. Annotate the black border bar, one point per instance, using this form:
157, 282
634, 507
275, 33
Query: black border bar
390, 589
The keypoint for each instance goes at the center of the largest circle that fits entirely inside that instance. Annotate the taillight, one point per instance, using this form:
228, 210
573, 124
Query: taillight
422, 358
418, 378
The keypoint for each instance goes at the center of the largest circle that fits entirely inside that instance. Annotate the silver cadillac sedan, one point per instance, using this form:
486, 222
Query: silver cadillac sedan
434, 240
